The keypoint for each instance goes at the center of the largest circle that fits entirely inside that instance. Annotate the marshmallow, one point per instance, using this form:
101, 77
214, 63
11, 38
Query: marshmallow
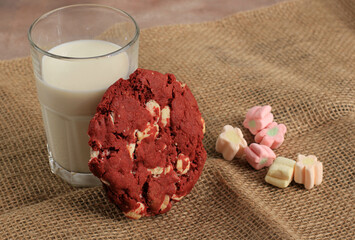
308, 171
231, 142
259, 156
271, 136
280, 173
258, 118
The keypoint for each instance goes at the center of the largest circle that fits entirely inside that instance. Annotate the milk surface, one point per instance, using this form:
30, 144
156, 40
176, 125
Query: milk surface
69, 93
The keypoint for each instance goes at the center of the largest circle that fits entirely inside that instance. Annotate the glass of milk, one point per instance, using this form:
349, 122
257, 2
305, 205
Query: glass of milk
77, 52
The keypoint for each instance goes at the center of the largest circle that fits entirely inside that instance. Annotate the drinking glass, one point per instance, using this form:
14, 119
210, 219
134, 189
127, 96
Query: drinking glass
77, 52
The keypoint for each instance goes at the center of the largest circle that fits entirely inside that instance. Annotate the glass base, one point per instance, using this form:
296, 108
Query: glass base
73, 178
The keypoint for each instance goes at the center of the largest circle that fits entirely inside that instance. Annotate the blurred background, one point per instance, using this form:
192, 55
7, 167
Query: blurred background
16, 16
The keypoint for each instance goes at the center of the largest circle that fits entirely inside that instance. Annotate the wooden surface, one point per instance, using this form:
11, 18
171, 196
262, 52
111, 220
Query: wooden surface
17, 15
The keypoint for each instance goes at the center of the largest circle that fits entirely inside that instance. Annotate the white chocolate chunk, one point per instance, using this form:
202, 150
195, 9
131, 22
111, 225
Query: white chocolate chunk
181, 84
112, 116
131, 147
145, 133
106, 153
165, 115
165, 202
152, 106
167, 169
156, 171
104, 182
203, 126
136, 214
94, 154
159, 170
177, 198
133, 215
180, 163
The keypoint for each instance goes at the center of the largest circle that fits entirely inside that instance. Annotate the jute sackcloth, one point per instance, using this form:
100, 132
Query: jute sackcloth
298, 57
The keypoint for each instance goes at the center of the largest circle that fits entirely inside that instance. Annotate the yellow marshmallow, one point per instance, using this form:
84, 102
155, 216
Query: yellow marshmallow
281, 172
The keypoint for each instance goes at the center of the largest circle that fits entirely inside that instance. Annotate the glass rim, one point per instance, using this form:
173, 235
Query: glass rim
121, 49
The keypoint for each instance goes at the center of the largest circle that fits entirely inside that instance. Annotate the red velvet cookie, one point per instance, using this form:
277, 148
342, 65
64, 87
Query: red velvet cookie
146, 141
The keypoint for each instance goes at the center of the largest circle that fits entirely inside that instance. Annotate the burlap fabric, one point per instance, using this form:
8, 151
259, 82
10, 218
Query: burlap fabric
298, 56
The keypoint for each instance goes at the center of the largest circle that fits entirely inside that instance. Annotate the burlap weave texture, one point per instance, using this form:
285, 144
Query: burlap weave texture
298, 57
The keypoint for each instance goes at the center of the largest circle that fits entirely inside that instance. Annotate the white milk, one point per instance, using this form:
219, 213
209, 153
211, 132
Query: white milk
70, 92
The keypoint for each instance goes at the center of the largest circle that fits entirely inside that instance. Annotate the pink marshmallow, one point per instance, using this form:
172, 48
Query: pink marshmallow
271, 136
258, 118
259, 156
308, 171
